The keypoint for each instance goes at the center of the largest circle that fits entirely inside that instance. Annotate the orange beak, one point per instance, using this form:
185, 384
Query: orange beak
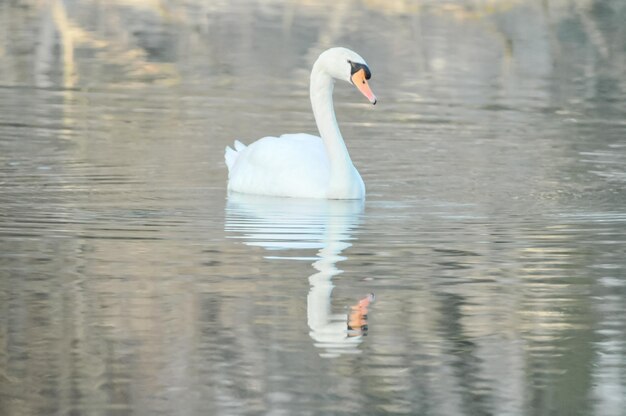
359, 81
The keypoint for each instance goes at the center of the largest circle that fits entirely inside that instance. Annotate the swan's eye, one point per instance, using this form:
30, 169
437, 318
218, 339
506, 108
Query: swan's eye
357, 67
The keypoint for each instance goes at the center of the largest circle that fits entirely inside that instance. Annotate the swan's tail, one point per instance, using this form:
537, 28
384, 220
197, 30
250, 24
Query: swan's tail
231, 155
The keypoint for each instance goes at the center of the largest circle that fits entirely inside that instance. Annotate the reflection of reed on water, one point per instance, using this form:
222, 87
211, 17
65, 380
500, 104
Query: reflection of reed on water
70, 41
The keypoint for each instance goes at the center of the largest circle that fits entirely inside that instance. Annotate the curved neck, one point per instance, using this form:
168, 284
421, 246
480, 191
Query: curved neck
321, 91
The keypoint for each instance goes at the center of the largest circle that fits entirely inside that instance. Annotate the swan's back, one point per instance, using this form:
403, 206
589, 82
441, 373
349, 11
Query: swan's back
294, 165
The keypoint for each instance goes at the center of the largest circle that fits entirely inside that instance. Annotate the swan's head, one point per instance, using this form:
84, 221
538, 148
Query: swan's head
349, 66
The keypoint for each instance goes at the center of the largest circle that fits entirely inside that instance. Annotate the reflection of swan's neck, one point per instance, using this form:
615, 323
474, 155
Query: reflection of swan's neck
321, 91
328, 258
326, 327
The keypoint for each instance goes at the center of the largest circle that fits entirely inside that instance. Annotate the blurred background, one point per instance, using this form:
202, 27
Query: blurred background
492, 235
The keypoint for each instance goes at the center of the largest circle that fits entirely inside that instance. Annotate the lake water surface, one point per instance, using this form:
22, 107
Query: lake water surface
492, 238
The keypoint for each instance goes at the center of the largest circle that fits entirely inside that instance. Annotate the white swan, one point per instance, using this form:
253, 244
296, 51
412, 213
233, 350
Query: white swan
302, 165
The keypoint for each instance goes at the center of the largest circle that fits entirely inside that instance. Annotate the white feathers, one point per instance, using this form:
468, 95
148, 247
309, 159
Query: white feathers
239, 146
231, 155
293, 165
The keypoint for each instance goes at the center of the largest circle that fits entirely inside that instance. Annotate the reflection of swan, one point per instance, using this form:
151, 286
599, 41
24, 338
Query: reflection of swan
301, 165
283, 224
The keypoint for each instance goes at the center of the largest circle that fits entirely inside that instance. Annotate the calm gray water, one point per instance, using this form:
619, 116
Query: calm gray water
493, 235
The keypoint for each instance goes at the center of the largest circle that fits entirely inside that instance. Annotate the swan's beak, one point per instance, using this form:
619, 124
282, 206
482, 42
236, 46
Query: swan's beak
359, 81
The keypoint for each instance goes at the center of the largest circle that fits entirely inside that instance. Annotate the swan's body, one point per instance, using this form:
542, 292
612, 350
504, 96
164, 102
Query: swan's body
302, 165
293, 165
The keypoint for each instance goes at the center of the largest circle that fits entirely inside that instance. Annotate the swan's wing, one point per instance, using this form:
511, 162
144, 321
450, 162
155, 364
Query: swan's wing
289, 165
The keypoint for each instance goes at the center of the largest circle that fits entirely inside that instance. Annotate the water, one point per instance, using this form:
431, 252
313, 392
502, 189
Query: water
492, 237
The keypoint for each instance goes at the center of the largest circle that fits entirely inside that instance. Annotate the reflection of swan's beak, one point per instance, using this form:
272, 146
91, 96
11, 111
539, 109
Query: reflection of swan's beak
359, 80
357, 320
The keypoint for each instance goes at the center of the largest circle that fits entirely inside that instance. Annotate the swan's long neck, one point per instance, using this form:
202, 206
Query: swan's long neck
321, 91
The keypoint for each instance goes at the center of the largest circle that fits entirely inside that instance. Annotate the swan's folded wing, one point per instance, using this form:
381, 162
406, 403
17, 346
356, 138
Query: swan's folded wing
289, 165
